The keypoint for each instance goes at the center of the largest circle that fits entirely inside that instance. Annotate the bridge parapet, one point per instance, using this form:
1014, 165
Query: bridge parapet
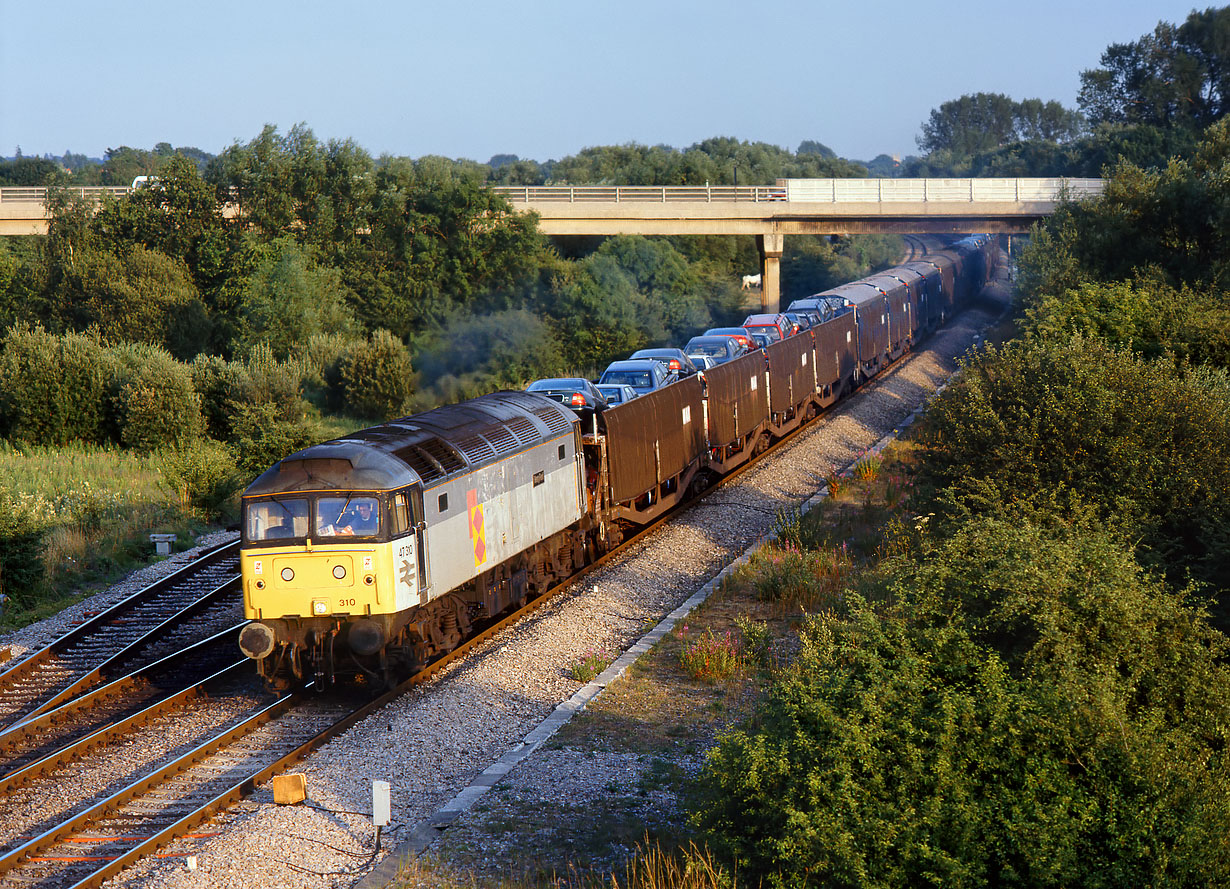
1033, 190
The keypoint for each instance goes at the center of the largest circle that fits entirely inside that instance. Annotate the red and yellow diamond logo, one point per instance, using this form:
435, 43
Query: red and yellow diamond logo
478, 535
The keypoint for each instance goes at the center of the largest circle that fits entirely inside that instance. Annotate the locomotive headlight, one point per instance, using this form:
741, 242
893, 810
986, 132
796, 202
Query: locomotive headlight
369, 579
339, 571
320, 606
288, 574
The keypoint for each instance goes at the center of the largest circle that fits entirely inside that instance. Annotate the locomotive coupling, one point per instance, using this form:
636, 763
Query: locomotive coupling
256, 640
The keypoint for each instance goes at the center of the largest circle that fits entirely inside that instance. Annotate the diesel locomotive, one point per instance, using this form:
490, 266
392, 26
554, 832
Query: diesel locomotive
373, 553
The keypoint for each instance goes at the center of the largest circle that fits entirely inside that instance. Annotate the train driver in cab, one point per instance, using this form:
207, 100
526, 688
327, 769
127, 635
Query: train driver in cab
359, 519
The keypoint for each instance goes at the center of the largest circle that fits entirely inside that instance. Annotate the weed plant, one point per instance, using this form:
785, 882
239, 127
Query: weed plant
589, 665
709, 656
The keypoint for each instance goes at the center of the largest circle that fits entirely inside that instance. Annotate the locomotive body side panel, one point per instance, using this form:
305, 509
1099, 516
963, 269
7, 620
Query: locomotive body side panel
478, 520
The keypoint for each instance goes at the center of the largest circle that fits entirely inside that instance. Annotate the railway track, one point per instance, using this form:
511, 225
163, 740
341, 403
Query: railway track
200, 598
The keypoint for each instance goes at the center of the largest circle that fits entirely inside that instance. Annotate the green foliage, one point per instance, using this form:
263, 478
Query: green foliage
713, 161
1172, 77
270, 381
1148, 316
21, 537
813, 264
983, 121
140, 296
53, 390
1159, 226
1077, 422
1039, 714
153, 400
288, 299
29, 171
263, 434
502, 350
203, 478
222, 386
375, 377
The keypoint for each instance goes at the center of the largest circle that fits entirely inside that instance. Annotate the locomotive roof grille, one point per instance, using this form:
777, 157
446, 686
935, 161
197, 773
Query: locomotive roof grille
502, 440
555, 422
421, 462
475, 448
524, 430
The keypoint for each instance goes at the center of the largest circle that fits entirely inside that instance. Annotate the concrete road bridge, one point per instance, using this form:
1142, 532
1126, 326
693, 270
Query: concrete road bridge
800, 206
790, 207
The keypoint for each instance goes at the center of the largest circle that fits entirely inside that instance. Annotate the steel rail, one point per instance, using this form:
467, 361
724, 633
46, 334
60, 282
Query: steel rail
40, 725
94, 676
25, 669
115, 730
97, 812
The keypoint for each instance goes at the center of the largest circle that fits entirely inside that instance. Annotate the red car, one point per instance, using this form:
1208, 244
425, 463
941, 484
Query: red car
778, 326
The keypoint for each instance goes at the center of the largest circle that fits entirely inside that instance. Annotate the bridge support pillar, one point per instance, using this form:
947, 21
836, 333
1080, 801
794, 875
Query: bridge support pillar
770, 271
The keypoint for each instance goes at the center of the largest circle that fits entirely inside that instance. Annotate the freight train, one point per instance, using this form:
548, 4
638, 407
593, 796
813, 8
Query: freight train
372, 554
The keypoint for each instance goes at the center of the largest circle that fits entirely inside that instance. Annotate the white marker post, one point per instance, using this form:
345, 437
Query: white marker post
382, 807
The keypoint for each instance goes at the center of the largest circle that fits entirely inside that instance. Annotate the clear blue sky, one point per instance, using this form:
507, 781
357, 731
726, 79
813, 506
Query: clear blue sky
540, 78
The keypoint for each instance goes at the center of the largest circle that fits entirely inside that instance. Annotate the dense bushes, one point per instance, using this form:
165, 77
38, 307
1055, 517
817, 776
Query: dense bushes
53, 390
375, 377
1037, 712
1077, 422
153, 400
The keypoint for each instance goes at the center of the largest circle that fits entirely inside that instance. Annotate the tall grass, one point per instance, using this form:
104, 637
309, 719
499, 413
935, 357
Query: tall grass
56, 472
94, 508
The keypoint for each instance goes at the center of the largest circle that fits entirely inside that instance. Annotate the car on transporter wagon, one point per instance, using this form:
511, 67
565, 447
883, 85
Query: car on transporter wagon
642, 374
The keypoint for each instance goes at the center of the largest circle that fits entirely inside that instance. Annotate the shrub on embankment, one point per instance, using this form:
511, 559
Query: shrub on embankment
1075, 425
1035, 710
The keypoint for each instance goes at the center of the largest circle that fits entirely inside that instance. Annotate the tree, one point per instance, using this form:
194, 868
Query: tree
30, 171
810, 146
970, 124
288, 298
140, 296
1174, 76
985, 121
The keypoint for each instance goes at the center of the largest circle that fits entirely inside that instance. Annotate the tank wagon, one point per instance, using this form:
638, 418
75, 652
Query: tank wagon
374, 553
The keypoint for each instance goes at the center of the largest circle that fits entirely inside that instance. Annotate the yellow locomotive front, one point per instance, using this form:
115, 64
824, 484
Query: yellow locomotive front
330, 573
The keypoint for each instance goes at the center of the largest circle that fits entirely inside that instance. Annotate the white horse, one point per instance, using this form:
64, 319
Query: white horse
750, 281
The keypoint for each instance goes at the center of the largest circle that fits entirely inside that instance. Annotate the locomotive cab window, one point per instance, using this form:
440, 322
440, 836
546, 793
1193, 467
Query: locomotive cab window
399, 514
442, 503
276, 519
354, 516
562, 451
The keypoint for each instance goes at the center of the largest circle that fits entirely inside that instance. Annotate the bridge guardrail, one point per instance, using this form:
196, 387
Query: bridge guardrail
31, 195
795, 190
618, 194
817, 191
